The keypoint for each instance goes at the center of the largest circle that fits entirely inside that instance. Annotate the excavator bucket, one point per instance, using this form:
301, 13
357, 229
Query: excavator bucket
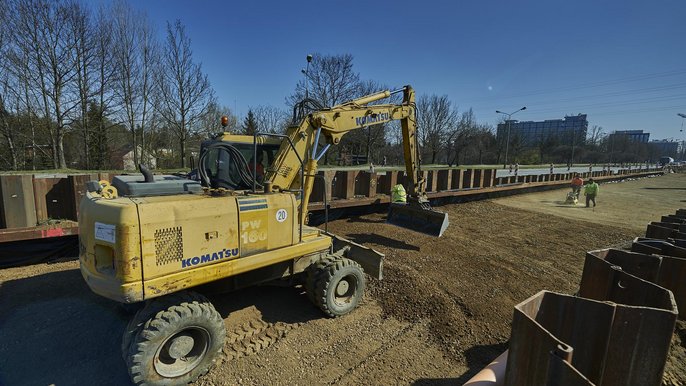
418, 219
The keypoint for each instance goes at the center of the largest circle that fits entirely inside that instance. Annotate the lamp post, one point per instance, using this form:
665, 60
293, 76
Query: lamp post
683, 143
571, 162
507, 143
306, 71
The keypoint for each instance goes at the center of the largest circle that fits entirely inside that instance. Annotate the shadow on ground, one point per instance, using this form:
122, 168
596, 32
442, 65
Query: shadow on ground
365, 220
373, 238
276, 303
54, 330
477, 357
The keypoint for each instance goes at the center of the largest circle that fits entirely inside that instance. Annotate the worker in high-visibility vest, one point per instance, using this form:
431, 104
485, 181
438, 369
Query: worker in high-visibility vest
398, 194
591, 191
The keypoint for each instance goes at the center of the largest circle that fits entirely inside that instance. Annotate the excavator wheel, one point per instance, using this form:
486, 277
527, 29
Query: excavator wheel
339, 287
311, 275
173, 340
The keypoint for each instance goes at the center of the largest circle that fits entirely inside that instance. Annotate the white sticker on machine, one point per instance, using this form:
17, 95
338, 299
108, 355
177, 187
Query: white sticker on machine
281, 215
105, 232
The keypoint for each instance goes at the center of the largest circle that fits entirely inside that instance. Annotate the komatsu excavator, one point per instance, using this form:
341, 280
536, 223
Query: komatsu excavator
148, 240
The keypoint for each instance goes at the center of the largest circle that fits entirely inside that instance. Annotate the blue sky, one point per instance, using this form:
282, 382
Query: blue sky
621, 62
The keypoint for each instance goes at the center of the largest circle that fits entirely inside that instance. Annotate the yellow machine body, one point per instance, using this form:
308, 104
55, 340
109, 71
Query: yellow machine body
134, 249
137, 247
237, 220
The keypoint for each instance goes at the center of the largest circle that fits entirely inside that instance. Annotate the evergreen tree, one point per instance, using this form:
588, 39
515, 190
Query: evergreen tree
250, 123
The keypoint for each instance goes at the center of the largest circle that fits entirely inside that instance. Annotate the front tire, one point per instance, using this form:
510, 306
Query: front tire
177, 343
311, 274
339, 287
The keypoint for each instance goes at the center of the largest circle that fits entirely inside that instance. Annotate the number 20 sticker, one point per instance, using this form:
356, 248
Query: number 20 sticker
281, 215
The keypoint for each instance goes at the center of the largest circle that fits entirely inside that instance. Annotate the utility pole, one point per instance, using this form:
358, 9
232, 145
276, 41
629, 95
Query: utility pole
507, 121
683, 143
571, 163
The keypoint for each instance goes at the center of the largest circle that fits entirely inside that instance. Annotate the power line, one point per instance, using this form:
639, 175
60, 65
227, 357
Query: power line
633, 111
615, 104
645, 90
629, 79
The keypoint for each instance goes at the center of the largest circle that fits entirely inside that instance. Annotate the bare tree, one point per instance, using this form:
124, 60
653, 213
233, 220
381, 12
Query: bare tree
185, 91
84, 54
484, 140
329, 80
270, 118
21, 88
136, 60
6, 86
460, 137
596, 135
210, 123
44, 27
150, 64
103, 97
435, 118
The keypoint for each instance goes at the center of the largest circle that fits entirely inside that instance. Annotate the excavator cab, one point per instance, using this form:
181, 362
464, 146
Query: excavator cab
226, 159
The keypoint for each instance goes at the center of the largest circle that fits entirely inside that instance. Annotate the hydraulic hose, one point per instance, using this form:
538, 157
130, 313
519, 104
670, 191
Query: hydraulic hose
235, 157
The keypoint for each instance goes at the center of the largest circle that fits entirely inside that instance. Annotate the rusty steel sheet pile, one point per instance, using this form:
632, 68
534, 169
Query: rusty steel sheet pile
671, 270
615, 331
608, 343
665, 230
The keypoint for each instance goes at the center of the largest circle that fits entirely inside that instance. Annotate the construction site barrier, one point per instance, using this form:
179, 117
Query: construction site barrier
349, 188
28, 200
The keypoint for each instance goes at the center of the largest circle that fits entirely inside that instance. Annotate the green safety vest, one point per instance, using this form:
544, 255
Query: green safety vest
398, 194
591, 189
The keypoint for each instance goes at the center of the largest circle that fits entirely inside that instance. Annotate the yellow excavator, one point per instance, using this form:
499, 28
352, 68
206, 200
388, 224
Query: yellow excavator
146, 240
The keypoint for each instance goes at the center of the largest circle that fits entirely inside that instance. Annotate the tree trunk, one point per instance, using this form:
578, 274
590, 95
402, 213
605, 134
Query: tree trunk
85, 145
60, 151
10, 140
53, 146
13, 151
182, 143
135, 147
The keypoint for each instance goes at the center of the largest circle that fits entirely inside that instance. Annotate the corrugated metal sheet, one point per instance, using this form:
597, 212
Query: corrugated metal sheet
53, 198
17, 206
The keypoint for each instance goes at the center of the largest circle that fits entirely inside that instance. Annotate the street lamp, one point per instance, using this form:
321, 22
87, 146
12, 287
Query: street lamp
507, 143
681, 131
306, 71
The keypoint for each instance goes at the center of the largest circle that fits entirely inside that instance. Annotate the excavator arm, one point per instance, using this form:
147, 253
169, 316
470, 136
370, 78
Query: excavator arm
313, 135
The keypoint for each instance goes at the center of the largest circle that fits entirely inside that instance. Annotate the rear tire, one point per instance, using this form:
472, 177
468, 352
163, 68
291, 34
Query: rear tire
177, 339
339, 287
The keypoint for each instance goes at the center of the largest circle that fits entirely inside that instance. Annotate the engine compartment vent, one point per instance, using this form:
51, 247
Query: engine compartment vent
168, 245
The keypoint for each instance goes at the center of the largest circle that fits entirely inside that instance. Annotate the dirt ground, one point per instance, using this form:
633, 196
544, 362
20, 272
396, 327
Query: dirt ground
442, 312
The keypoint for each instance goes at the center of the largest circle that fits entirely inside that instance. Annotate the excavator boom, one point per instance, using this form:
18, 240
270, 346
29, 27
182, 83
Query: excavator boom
310, 138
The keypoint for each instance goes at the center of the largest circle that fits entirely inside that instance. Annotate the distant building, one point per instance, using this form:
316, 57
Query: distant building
665, 148
122, 159
532, 133
632, 135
